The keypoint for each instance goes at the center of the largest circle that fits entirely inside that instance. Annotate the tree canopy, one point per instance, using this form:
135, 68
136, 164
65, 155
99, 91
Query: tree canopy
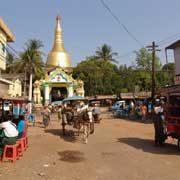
100, 77
10, 63
105, 53
30, 60
144, 60
103, 77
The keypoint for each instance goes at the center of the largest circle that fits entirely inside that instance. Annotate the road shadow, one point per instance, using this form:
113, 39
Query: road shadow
71, 156
147, 121
147, 145
70, 135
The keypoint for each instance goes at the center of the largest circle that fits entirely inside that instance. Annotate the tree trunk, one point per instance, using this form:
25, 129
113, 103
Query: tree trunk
30, 93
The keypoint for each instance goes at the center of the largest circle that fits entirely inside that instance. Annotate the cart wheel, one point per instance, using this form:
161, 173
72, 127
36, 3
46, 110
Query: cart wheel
178, 144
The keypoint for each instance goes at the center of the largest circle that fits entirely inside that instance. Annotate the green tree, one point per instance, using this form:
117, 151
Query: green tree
169, 67
10, 63
144, 60
144, 69
99, 77
105, 53
31, 61
167, 74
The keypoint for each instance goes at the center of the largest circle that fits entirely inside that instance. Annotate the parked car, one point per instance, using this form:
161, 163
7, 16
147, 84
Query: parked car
118, 105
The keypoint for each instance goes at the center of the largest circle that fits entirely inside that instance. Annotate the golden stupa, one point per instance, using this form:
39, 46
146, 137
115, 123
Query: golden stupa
58, 57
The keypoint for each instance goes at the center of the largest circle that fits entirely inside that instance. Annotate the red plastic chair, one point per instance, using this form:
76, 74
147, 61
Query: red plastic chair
10, 153
21, 148
25, 142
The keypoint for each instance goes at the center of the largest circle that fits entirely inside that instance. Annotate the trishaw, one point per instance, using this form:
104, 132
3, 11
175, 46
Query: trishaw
10, 107
172, 118
76, 113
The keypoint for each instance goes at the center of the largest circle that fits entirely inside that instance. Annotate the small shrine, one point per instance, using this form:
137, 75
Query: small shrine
58, 82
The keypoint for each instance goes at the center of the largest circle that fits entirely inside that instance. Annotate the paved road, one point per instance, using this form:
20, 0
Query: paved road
119, 149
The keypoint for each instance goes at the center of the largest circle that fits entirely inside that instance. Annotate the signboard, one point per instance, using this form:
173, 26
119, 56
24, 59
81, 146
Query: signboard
177, 79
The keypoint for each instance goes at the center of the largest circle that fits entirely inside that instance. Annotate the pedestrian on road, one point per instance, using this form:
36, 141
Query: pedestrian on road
46, 115
96, 113
59, 113
158, 124
143, 112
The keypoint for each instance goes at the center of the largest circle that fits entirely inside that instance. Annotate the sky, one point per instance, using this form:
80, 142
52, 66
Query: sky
87, 24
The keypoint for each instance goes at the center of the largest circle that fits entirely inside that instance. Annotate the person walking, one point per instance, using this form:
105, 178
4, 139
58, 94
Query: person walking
143, 112
46, 115
96, 113
160, 136
59, 113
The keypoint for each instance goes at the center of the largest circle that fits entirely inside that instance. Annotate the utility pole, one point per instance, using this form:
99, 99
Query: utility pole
25, 82
153, 82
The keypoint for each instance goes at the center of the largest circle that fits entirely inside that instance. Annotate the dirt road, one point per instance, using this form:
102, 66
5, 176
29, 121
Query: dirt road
119, 149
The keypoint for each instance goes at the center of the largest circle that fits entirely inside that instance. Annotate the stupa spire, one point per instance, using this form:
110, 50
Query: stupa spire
58, 43
58, 56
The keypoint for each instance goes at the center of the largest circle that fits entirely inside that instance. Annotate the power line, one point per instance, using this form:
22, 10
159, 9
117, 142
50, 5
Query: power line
119, 21
12, 49
169, 37
8, 48
126, 29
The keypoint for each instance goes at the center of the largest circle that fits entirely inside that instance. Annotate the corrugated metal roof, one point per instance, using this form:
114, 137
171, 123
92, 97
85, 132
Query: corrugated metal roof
173, 45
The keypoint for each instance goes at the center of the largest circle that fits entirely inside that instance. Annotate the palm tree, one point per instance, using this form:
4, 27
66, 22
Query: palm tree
105, 53
10, 59
30, 62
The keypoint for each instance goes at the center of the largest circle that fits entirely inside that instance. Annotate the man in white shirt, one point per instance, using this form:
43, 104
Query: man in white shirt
8, 134
160, 136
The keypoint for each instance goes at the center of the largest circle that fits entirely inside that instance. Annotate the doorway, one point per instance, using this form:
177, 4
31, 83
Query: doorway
58, 93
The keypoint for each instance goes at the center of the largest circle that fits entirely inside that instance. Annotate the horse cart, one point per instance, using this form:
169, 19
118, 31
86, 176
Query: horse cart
76, 113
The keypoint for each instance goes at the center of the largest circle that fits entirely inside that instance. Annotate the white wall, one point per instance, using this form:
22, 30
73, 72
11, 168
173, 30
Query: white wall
15, 89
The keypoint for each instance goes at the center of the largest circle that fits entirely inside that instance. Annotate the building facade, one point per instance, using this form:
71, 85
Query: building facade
176, 50
6, 36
